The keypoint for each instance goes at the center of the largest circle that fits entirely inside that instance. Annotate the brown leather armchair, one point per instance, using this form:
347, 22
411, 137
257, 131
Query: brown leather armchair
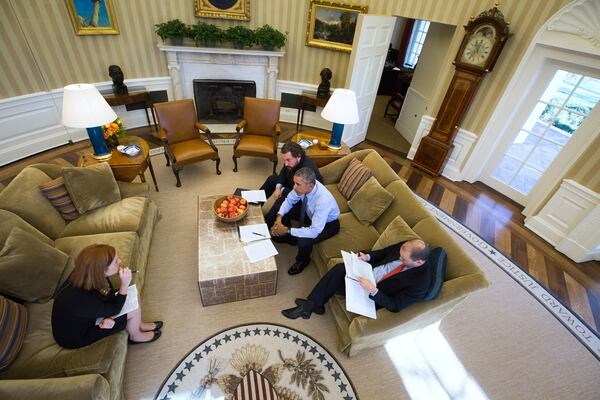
261, 130
179, 131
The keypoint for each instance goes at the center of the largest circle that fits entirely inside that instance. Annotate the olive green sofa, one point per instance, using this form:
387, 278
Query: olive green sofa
462, 276
43, 369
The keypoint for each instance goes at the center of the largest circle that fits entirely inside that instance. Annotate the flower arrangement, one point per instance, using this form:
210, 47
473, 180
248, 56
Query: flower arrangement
113, 131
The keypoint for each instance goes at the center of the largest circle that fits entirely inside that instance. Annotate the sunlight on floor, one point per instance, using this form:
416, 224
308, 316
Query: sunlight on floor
429, 368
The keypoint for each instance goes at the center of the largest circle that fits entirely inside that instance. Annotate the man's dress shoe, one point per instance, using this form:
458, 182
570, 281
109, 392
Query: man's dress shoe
297, 267
295, 312
316, 309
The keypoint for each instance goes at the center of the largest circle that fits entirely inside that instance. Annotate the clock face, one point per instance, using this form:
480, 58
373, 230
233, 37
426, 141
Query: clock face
479, 46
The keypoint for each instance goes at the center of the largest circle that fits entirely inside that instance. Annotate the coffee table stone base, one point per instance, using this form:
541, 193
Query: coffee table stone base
226, 290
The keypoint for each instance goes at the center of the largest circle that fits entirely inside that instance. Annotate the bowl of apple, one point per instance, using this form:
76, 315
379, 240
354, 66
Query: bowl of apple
230, 208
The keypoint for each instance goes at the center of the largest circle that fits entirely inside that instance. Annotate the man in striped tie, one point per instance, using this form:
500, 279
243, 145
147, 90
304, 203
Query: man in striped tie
401, 273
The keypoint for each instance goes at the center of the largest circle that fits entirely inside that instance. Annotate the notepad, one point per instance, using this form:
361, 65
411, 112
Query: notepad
254, 196
131, 303
260, 250
250, 233
357, 299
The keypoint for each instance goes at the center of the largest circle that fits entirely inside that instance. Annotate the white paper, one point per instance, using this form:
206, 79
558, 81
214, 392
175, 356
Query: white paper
131, 303
357, 298
260, 250
254, 196
250, 233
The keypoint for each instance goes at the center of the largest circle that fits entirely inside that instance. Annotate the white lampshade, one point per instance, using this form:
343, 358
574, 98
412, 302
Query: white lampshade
341, 107
84, 107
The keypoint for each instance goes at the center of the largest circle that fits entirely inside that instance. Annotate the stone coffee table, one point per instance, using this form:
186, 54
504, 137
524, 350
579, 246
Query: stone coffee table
224, 272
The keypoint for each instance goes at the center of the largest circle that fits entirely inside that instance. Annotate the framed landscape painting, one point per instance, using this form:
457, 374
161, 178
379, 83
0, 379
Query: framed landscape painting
331, 25
93, 17
226, 9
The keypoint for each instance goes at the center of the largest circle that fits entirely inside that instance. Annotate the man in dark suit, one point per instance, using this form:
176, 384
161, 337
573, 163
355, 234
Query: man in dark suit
279, 186
401, 274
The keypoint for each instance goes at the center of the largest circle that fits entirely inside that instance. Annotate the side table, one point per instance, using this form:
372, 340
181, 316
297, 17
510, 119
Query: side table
320, 156
308, 99
125, 168
135, 96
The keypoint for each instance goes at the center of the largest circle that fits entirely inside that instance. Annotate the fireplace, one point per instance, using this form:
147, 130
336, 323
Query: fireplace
221, 100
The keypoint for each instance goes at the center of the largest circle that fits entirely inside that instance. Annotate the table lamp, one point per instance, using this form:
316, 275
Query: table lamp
84, 107
340, 109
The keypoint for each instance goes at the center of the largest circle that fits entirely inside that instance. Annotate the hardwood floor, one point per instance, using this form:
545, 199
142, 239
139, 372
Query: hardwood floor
494, 217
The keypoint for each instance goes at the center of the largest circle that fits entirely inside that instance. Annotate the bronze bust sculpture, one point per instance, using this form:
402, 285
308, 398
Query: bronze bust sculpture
114, 71
323, 89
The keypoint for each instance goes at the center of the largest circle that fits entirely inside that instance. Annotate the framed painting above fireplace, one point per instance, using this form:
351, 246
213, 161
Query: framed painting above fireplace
223, 9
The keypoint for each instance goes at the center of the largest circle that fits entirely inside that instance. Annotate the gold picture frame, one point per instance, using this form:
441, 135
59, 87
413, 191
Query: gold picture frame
93, 18
223, 9
332, 35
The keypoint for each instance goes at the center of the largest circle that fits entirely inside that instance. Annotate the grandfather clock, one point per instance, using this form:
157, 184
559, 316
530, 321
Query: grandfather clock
484, 39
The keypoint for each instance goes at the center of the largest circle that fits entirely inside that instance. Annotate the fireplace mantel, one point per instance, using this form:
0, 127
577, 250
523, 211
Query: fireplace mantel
186, 63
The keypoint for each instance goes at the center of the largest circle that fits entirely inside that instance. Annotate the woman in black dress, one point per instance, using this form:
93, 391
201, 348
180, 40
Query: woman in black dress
88, 294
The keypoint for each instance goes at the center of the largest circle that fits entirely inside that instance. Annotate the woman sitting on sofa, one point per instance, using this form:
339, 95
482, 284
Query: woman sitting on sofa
88, 294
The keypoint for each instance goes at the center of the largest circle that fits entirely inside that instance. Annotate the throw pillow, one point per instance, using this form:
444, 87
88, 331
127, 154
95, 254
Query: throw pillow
370, 201
397, 231
30, 269
91, 187
353, 178
56, 191
13, 325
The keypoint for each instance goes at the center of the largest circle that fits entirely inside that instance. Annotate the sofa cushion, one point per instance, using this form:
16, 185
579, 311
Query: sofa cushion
13, 325
91, 187
42, 357
9, 220
405, 204
56, 191
24, 198
29, 268
437, 266
339, 198
380, 169
123, 216
353, 236
353, 178
397, 231
370, 201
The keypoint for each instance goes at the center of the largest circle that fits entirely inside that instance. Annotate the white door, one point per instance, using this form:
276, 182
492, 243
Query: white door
560, 106
371, 42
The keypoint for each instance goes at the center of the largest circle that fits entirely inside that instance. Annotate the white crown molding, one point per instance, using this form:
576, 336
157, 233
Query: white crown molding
463, 143
570, 220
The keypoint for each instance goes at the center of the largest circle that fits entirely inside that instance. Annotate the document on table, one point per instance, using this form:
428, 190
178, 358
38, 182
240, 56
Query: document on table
131, 303
357, 298
250, 233
260, 250
254, 196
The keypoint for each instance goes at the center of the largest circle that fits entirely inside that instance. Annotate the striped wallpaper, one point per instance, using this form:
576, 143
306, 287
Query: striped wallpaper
43, 29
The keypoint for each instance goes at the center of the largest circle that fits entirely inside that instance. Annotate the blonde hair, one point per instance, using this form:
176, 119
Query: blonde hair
90, 266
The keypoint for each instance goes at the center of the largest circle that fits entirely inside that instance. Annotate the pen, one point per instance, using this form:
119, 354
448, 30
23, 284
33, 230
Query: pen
258, 234
356, 280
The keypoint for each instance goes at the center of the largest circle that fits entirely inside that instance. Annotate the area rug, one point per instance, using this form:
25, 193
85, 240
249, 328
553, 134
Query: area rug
255, 362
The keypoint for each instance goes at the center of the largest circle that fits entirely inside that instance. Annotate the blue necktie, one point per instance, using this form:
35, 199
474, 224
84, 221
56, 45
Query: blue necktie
303, 211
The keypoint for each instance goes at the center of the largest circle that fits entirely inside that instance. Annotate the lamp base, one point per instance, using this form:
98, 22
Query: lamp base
335, 143
101, 150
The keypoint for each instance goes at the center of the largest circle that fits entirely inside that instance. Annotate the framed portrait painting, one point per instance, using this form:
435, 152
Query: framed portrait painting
226, 9
93, 17
331, 25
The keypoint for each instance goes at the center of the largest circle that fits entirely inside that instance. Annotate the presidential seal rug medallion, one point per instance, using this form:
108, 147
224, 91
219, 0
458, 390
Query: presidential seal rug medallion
258, 361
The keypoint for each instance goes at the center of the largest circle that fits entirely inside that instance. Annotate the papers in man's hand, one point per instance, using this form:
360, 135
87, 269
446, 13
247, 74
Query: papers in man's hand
254, 196
250, 233
260, 250
357, 298
131, 303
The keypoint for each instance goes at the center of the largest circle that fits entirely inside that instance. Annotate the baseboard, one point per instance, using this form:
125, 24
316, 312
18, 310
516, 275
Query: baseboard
463, 142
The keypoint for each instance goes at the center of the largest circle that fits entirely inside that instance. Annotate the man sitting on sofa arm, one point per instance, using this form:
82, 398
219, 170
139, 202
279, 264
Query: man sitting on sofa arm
401, 273
309, 200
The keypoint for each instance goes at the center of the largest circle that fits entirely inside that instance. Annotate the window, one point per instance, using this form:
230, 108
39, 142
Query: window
415, 45
566, 101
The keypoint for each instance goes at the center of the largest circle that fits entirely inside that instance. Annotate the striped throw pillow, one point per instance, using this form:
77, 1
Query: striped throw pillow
353, 178
56, 192
13, 325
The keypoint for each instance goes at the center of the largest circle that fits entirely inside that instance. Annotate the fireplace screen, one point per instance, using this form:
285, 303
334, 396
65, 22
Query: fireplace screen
221, 100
